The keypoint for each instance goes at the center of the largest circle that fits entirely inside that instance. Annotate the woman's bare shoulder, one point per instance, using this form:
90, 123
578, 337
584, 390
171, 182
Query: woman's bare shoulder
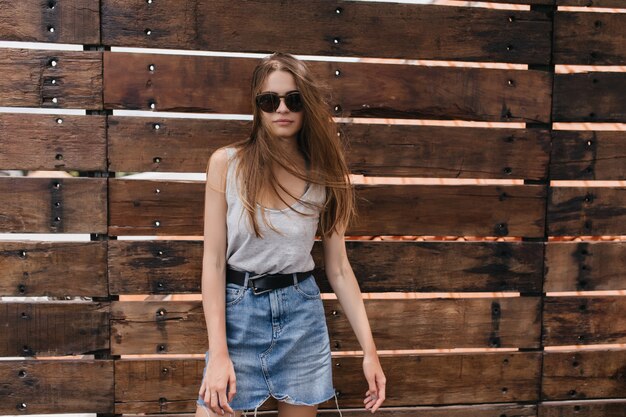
217, 167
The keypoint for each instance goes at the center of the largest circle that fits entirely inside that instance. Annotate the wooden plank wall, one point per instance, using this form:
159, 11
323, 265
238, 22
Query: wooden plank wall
512, 330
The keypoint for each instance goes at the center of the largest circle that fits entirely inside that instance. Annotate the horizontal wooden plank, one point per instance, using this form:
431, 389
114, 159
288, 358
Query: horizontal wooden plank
161, 144
588, 211
582, 38
158, 386
50, 78
179, 327
53, 328
403, 91
592, 408
53, 205
55, 142
151, 207
325, 27
589, 97
167, 267
584, 320
584, 374
585, 266
588, 155
56, 386
74, 21
54, 269
591, 3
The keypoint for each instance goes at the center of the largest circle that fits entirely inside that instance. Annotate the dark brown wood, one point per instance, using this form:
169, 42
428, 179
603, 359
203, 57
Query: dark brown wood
584, 320
53, 328
589, 38
332, 28
591, 3
402, 91
175, 208
416, 379
588, 155
585, 266
56, 386
55, 269
583, 374
159, 144
574, 211
54, 142
589, 97
167, 266
32, 80
608, 408
53, 205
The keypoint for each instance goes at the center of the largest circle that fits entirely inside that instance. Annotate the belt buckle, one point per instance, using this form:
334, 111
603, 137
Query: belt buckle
254, 288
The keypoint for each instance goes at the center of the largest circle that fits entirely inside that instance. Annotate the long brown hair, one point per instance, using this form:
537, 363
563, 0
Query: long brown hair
318, 141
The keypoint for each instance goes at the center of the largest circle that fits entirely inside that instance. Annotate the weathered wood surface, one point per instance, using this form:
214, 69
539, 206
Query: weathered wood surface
585, 266
584, 320
53, 142
54, 269
36, 78
184, 145
574, 211
171, 385
590, 3
595, 408
53, 205
588, 155
56, 386
582, 38
589, 97
53, 328
221, 85
179, 327
332, 28
73, 21
168, 266
584, 374
153, 207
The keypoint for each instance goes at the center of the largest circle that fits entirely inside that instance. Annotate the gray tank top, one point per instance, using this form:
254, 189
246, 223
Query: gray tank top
274, 253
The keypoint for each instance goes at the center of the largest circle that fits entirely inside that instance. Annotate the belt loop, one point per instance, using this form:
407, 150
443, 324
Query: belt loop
245, 281
295, 279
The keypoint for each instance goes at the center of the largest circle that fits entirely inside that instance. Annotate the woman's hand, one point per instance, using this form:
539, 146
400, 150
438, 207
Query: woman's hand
220, 374
376, 380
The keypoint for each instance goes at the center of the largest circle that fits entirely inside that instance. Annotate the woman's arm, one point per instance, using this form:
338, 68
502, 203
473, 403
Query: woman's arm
342, 280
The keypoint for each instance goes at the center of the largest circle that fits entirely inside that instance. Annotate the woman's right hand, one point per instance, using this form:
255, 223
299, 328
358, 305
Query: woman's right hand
220, 375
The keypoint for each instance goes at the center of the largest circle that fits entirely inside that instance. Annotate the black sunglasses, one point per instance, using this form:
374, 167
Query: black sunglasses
269, 102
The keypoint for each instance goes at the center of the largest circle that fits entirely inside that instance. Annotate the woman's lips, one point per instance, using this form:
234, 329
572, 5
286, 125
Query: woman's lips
283, 121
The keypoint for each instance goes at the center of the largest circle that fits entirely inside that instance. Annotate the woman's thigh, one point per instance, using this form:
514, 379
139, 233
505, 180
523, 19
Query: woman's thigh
291, 410
205, 412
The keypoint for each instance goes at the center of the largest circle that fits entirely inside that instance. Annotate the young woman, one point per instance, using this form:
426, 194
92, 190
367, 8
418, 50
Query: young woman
266, 198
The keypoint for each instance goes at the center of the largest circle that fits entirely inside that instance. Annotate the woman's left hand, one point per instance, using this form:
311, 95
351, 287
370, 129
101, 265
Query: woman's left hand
376, 380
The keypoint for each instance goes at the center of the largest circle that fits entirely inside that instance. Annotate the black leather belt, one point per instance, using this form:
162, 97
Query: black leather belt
261, 283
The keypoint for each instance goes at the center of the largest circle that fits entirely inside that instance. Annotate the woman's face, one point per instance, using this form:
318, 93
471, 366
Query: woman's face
283, 122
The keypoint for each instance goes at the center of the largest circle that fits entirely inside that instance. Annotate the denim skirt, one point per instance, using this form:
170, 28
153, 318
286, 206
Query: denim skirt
279, 345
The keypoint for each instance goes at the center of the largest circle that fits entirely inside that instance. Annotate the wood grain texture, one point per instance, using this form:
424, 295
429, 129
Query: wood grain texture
589, 97
588, 211
53, 328
73, 21
172, 385
584, 320
152, 207
588, 3
585, 266
184, 145
179, 327
53, 205
220, 85
54, 269
33, 81
54, 142
595, 408
168, 266
56, 386
588, 155
576, 375
332, 28
589, 38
